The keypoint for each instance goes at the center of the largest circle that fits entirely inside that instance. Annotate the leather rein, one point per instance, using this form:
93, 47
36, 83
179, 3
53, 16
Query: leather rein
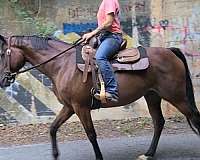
11, 76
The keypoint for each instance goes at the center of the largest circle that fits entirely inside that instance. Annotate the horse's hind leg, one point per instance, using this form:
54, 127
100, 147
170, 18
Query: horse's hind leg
64, 114
85, 117
154, 105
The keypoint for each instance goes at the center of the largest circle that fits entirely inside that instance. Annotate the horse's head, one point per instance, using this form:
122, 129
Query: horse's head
11, 60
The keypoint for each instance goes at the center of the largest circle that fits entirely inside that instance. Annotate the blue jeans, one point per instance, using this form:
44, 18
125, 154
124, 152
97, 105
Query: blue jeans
109, 46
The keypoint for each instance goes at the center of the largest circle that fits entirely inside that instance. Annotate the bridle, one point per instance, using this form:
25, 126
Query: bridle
10, 76
7, 73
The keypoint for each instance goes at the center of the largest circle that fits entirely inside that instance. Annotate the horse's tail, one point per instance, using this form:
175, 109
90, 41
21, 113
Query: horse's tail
194, 121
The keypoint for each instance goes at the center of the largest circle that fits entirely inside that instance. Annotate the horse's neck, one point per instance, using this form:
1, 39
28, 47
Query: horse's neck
51, 68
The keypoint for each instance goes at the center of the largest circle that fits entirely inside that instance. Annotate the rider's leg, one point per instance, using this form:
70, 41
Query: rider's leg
107, 49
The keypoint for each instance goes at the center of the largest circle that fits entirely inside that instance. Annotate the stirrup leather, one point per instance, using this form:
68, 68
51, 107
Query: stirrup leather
102, 88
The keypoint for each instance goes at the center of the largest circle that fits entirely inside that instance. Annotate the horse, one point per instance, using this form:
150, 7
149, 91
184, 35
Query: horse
167, 77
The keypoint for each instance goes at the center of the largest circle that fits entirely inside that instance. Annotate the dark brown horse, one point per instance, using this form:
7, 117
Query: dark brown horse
167, 78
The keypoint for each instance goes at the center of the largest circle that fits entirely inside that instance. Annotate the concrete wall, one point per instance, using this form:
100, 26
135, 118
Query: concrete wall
170, 23
31, 94
181, 28
163, 23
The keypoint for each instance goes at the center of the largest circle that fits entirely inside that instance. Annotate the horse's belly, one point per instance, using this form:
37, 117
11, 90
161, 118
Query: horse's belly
131, 87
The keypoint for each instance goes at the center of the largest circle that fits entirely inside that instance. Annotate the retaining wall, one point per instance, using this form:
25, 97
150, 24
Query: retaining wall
163, 23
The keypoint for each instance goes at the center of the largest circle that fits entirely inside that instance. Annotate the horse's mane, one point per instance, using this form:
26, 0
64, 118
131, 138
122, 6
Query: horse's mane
37, 42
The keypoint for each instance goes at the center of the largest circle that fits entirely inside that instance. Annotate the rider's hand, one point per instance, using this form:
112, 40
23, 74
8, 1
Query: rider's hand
86, 37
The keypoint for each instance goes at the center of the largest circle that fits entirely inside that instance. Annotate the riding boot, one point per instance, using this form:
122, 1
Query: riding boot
109, 97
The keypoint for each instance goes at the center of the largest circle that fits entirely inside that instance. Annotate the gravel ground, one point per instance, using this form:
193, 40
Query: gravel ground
39, 133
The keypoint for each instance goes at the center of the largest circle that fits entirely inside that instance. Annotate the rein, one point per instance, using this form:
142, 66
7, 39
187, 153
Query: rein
11, 76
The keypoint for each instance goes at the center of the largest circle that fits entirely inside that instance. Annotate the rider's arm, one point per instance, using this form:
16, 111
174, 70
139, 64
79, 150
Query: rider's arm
107, 23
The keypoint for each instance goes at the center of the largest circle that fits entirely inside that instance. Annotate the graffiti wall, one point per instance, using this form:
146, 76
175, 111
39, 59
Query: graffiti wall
176, 24
179, 27
30, 98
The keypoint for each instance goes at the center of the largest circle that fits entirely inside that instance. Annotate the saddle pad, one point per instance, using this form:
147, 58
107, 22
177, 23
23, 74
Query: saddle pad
141, 64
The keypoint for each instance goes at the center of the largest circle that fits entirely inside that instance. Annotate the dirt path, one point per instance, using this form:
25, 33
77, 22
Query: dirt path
33, 134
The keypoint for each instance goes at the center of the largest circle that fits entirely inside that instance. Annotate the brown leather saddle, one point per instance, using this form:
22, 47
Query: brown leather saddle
132, 59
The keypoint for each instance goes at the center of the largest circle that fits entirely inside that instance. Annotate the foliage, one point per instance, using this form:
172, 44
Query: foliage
42, 26
13, 1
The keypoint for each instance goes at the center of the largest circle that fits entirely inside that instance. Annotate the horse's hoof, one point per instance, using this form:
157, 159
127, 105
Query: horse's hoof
101, 158
143, 157
55, 155
55, 158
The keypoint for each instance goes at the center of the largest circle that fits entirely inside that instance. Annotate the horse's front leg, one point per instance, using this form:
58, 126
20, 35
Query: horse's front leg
85, 117
64, 115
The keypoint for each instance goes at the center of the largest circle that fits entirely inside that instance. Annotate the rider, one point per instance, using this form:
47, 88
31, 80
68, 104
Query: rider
110, 42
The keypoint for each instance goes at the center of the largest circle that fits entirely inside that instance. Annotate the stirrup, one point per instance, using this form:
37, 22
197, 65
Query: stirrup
102, 90
109, 97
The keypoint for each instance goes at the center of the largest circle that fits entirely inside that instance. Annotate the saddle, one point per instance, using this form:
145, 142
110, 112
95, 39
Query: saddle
133, 59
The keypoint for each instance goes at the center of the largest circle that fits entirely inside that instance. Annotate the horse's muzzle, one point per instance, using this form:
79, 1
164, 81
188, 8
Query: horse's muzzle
6, 79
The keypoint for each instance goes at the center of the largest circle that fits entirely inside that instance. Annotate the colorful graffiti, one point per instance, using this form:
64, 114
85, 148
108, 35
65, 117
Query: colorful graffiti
182, 36
141, 21
176, 31
78, 28
80, 11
